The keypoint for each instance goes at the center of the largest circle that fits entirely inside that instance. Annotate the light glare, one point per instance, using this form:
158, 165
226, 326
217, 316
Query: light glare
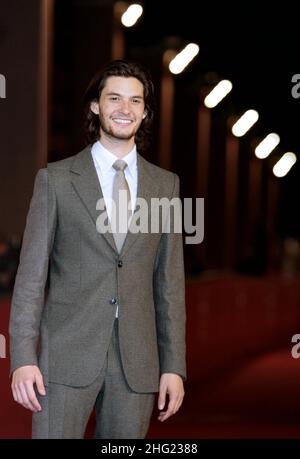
131, 15
244, 123
267, 145
218, 93
182, 59
285, 163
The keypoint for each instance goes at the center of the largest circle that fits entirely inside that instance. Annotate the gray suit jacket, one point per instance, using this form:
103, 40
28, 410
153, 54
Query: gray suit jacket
66, 331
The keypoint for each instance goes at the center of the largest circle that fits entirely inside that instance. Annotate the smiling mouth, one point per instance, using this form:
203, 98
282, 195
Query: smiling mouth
122, 121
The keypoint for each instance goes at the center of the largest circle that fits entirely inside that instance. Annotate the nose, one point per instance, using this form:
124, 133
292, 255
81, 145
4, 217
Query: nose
125, 107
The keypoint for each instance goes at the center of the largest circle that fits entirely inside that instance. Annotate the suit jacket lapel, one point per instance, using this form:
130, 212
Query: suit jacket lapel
86, 183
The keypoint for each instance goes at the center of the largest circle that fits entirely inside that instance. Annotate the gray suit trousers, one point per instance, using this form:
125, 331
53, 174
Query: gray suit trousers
120, 412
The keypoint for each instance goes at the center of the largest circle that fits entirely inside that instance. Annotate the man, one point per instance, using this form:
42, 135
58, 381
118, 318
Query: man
112, 328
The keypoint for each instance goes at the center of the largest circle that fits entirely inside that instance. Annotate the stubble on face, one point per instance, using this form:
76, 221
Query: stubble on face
121, 108
114, 132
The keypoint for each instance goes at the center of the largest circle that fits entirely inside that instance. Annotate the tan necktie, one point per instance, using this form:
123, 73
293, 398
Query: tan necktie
121, 201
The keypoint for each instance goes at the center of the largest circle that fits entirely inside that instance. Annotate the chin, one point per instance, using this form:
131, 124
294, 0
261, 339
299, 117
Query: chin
123, 135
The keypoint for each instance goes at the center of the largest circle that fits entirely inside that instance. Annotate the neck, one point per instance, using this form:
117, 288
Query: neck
118, 147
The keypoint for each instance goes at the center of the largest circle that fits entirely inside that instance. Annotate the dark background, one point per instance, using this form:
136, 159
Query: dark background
250, 43
242, 310
49, 51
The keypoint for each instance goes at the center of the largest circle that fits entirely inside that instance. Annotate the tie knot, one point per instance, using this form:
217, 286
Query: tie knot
119, 165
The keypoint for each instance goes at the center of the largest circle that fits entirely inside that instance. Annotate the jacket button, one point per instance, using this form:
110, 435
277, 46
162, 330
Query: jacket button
120, 263
113, 301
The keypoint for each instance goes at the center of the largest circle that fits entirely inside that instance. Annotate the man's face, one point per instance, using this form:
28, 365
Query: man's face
121, 107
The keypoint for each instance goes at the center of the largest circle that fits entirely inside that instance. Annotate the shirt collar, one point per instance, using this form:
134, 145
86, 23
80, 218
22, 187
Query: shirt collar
105, 158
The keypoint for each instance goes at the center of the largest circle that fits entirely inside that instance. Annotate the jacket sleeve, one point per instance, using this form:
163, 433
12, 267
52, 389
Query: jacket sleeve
169, 296
29, 288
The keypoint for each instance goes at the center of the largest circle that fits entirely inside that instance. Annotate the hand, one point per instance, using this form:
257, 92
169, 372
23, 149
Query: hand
172, 384
22, 387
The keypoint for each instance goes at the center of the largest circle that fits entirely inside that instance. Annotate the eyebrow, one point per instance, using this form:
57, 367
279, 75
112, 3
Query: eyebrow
120, 95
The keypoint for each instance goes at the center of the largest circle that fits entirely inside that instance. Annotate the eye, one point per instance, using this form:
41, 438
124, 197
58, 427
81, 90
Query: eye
136, 101
114, 98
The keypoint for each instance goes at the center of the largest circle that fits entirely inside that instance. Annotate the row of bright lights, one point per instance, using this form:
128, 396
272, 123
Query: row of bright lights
244, 123
221, 90
267, 145
181, 60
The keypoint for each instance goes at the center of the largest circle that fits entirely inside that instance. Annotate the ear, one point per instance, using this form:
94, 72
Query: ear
145, 114
94, 108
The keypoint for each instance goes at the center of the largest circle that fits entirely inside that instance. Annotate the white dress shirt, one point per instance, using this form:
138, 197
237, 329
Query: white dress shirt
103, 161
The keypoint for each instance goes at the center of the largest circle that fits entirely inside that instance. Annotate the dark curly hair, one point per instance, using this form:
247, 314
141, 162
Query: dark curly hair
126, 69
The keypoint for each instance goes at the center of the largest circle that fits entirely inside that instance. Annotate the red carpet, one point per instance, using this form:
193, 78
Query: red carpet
242, 380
